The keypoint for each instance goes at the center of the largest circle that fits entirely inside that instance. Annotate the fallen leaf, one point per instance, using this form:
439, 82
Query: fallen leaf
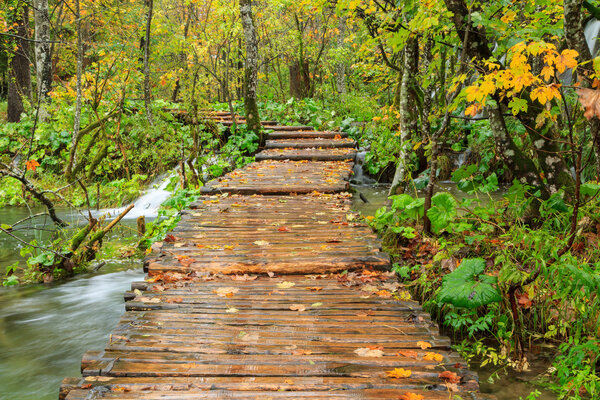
226, 291
231, 310
524, 300
171, 238
449, 376
301, 352
244, 277
315, 288
286, 285
384, 293
249, 337
261, 243
423, 345
174, 300
298, 307
271, 274
368, 352
408, 354
86, 386
433, 357
284, 229
399, 373
317, 304
411, 396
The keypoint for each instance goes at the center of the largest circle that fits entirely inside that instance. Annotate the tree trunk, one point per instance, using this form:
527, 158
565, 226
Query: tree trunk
407, 117
43, 53
19, 81
147, 92
251, 71
340, 69
77, 117
546, 148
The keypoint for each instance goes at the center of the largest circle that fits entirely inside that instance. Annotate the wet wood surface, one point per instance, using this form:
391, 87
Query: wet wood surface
271, 287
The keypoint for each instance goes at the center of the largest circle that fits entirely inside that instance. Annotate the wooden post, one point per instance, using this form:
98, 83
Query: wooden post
141, 225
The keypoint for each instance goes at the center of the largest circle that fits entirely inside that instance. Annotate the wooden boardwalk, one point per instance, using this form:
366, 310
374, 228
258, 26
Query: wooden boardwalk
270, 287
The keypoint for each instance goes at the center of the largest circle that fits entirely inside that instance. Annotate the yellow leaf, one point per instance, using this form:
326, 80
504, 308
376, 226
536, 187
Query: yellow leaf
433, 357
285, 285
547, 72
566, 59
399, 373
423, 345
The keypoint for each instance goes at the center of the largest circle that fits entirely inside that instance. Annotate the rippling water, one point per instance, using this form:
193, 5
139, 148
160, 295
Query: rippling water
44, 331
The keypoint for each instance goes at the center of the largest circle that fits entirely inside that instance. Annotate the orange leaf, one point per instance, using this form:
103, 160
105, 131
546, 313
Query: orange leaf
410, 396
449, 376
175, 300
337, 136
408, 354
398, 373
384, 293
32, 165
423, 345
284, 229
298, 307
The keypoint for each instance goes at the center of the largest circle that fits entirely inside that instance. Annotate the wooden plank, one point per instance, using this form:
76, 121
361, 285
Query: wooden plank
202, 325
307, 154
305, 134
310, 143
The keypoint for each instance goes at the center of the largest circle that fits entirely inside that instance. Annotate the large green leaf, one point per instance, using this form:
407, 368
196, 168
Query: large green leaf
442, 211
467, 287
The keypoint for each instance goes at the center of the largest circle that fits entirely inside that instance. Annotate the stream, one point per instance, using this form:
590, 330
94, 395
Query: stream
45, 329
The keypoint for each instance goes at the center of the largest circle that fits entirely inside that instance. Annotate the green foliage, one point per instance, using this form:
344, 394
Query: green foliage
468, 287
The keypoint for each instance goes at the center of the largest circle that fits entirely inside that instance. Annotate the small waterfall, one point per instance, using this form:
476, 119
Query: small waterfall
359, 177
148, 203
462, 157
591, 32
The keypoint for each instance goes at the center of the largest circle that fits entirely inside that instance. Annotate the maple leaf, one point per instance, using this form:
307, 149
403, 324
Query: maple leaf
398, 373
433, 357
284, 229
31, 165
384, 293
411, 396
337, 137
369, 352
298, 307
566, 59
472, 110
231, 310
590, 101
449, 376
408, 353
261, 243
423, 345
547, 72
226, 291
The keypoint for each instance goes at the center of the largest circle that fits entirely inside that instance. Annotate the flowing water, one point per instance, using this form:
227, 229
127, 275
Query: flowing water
45, 329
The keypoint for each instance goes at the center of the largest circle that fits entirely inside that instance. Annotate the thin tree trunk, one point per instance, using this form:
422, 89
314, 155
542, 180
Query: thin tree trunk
147, 92
251, 71
340, 69
19, 77
407, 118
43, 54
77, 118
